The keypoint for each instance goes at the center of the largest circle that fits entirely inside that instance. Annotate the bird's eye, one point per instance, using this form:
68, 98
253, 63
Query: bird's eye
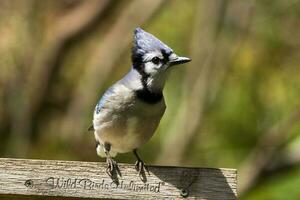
155, 60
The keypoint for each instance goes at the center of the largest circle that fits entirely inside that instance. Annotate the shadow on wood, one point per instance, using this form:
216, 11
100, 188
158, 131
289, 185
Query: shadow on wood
200, 183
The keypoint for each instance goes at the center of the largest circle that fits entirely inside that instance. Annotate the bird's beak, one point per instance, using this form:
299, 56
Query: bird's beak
176, 60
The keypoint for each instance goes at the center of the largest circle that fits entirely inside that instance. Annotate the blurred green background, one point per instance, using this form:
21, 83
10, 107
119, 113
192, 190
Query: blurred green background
236, 105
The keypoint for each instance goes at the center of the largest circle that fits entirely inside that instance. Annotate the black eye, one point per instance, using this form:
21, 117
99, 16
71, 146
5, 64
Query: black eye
155, 60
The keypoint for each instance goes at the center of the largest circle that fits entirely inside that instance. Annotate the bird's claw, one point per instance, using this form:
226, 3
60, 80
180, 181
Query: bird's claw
141, 167
112, 166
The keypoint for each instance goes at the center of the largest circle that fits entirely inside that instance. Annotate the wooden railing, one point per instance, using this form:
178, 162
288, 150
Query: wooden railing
60, 179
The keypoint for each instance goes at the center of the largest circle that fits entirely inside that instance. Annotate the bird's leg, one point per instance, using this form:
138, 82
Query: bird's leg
112, 165
140, 165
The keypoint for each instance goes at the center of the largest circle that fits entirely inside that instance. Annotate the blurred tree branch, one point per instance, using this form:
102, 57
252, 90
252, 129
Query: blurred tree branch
286, 159
42, 62
67, 27
194, 101
268, 145
209, 52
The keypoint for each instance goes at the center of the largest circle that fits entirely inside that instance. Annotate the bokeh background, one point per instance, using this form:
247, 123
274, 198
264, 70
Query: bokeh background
236, 105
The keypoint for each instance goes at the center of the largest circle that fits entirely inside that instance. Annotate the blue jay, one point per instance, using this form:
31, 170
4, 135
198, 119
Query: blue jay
129, 112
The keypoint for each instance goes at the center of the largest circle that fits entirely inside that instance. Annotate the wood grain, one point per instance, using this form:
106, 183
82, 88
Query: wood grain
90, 180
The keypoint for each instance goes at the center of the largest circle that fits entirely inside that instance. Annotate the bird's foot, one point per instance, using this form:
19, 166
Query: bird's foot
112, 167
141, 167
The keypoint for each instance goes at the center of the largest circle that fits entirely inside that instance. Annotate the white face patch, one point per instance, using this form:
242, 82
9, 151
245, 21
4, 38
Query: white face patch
156, 68
151, 67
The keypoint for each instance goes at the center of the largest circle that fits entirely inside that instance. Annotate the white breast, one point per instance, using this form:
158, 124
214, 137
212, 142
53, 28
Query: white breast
126, 122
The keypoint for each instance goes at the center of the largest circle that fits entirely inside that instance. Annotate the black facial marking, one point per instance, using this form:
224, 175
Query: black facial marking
137, 59
146, 95
166, 55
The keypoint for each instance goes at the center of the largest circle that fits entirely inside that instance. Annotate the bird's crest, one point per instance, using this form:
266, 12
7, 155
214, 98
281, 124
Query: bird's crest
145, 43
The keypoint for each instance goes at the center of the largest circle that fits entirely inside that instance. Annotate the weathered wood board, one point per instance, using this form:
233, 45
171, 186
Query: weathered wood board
90, 180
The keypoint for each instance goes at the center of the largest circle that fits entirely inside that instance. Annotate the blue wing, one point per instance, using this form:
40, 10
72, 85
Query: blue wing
126, 80
101, 104
103, 99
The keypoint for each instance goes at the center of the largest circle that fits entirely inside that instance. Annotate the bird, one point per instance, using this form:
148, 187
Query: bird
129, 112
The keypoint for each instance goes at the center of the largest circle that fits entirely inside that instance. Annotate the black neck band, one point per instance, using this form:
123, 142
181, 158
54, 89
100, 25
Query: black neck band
145, 94
148, 97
